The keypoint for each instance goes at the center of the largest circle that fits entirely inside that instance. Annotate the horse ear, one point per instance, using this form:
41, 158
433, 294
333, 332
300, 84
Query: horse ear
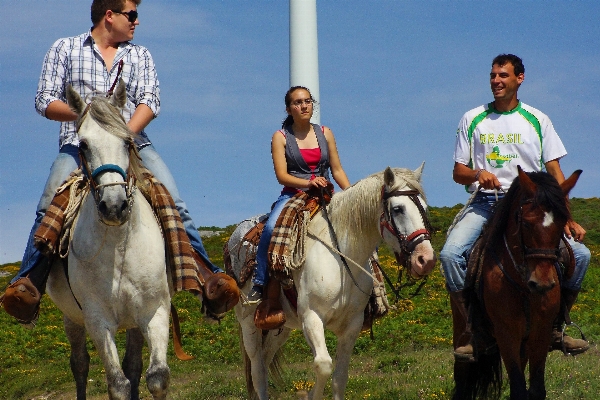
119, 97
388, 177
419, 172
569, 183
74, 100
526, 183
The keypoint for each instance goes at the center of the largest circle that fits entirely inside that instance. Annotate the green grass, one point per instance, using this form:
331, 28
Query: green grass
410, 358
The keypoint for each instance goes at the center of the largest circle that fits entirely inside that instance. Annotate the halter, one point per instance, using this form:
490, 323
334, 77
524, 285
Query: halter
528, 252
92, 176
409, 242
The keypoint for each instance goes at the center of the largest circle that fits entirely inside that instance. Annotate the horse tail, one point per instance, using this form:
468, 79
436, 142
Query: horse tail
478, 380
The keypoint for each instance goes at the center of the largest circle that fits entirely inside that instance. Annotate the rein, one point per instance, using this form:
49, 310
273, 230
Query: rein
336, 244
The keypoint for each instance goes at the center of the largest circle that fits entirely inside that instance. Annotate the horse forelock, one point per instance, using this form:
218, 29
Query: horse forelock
109, 118
548, 195
359, 206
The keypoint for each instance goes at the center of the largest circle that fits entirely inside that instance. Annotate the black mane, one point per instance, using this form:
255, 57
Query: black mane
548, 194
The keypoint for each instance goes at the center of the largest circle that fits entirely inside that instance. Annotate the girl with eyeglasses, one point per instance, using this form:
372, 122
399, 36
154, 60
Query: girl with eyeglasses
303, 156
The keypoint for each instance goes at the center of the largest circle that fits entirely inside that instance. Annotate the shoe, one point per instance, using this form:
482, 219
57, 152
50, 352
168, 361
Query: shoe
255, 296
571, 346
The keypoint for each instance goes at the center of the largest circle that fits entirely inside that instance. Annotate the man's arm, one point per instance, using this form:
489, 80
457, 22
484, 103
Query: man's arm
60, 111
140, 118
572, 229
464, 175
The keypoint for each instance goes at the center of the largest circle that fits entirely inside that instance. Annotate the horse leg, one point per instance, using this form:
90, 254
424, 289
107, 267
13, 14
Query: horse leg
313, 329
271, 345
344, 348
157, 336
538, 343
511, 351
252, 340
132, 362
103, 337
80, 358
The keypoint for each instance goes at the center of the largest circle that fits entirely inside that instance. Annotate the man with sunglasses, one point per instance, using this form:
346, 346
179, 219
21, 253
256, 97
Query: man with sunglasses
93, 63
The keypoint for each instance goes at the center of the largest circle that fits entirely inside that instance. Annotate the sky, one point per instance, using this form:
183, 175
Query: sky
395, 78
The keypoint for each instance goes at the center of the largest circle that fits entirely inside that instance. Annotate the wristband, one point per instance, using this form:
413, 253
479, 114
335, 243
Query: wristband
477, 175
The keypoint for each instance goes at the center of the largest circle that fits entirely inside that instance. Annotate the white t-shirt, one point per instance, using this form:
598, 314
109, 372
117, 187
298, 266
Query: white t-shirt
499, 141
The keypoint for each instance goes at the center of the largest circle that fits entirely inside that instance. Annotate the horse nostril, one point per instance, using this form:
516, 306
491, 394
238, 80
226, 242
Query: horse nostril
102, 207
124, 206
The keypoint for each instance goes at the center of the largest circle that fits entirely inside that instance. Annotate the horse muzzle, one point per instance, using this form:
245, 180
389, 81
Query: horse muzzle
422, 260
113, 206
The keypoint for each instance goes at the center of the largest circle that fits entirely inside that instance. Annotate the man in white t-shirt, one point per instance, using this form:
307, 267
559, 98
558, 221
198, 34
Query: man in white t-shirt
491, 141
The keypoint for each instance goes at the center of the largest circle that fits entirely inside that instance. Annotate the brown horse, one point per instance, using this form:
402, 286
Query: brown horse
515, 289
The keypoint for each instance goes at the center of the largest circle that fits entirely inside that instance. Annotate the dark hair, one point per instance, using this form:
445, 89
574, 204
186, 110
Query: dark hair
289, 120
99, 8
516, 62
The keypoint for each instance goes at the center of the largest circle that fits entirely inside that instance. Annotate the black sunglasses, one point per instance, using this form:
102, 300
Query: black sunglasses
132, 15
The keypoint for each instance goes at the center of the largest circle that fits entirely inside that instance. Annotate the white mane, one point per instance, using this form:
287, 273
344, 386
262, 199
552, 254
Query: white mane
359, 205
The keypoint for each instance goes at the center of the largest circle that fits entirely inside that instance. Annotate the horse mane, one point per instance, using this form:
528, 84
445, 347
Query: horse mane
548, 194
360, 204
111, 120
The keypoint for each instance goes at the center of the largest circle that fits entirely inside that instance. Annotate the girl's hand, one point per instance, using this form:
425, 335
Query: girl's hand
317, 182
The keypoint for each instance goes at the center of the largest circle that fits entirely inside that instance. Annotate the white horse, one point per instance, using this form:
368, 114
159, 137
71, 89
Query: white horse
116, 276
389, 205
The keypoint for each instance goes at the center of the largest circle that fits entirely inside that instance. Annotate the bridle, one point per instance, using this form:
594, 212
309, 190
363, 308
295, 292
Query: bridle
528, 253
92, 175
407, 243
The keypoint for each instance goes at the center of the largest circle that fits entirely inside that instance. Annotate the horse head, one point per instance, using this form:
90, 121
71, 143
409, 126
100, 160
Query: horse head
404, 224
539, 220
105, 143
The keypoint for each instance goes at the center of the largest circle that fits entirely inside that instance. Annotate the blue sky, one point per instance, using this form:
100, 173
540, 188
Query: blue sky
395, 78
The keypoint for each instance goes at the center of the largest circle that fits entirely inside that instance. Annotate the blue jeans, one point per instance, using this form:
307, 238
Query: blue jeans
455, 253
66, 162
260, 272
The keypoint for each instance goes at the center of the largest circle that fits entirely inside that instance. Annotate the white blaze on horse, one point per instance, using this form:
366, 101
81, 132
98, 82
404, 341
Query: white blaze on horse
116, 276
388, 206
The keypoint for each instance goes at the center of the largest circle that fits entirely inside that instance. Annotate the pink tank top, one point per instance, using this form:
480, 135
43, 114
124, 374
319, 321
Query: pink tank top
312, 158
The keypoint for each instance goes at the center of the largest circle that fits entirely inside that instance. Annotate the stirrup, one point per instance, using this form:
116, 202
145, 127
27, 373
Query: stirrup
562, 340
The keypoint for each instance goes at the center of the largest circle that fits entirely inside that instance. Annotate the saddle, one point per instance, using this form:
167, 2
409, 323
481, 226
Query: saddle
269, 313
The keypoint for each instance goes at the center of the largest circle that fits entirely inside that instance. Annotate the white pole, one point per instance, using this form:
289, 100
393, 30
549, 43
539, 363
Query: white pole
304, 49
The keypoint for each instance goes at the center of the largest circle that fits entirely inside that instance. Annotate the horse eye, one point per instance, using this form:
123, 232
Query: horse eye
398, 209
83, 145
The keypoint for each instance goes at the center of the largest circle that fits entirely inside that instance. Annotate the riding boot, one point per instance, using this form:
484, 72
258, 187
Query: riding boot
269, 313
22, 298
463, 337
571, 345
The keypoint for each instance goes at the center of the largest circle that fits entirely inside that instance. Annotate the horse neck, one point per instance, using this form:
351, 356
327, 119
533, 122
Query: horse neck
354, 215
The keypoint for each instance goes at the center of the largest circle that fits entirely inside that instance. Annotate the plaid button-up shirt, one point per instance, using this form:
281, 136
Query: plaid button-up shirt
77, 61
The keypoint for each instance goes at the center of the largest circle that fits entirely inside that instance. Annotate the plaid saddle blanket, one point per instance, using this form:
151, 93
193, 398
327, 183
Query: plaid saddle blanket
53, 235
286, 248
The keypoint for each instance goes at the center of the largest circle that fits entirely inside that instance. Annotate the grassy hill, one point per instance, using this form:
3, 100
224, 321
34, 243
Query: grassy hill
410, 357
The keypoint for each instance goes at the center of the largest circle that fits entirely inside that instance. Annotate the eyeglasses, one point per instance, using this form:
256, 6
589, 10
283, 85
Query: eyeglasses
132, 15
298, 103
